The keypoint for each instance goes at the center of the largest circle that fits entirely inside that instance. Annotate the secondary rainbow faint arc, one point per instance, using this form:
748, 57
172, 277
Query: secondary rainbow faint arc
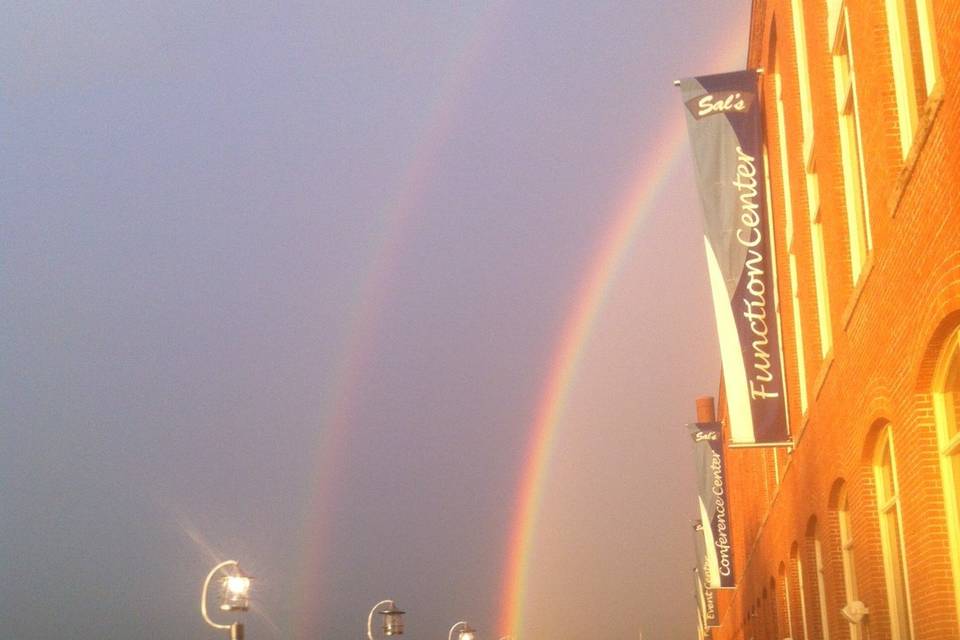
372, 291
590, 297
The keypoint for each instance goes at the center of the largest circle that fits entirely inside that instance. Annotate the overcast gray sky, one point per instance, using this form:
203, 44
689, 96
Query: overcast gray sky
284, 283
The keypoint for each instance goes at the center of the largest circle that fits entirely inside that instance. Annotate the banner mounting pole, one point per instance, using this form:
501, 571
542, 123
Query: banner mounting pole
759, 71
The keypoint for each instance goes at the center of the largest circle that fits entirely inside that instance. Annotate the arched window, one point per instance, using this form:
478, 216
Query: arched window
946, 403
787, 607
820, 585
846, 556
891, 538
801, 589
769, 608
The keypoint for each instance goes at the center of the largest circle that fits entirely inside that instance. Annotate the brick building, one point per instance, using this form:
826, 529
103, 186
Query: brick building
860, 102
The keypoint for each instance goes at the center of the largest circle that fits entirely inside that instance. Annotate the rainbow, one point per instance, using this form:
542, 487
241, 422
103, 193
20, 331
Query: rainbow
615, 248
398, 221
574, 337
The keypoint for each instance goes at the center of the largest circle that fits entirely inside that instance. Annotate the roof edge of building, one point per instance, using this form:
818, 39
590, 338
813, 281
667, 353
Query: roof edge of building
755, 34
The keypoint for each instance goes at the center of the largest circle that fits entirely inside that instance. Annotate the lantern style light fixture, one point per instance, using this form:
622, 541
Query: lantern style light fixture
234, 595
392, 619
466, 632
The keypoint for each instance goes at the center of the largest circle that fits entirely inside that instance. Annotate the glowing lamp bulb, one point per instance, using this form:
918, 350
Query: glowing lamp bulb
238, 585
235, 592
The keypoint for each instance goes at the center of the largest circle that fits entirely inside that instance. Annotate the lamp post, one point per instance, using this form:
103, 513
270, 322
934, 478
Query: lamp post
234, 595
466, 633
392, 619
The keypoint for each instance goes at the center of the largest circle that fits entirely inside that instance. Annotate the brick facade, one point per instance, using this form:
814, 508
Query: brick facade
887, 332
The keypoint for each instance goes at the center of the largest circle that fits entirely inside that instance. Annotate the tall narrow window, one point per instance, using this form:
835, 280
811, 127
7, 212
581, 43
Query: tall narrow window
801, 589
812, 180
787, 608
891, 538
820, 271
776, 464
798, 332
916, 67
771, 625
851, 149
821, 588
788, 225
846, 557
946, 396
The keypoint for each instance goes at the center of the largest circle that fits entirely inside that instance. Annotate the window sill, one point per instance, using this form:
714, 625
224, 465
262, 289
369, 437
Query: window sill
825, 367
924, 126
804, 419
858, 290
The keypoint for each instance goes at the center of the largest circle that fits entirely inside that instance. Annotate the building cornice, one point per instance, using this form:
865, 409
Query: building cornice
755, 36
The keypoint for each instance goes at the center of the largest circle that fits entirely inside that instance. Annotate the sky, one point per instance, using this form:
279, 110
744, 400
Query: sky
381, 299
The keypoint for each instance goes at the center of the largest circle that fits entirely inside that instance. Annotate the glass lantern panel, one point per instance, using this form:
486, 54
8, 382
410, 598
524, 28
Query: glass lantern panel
393, 623
235, 593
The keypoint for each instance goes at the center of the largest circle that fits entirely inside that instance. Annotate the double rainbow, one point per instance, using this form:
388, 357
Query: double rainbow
589, 302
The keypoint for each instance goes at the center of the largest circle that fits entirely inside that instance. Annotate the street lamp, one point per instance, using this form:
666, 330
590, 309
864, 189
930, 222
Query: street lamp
392, 619
234, 595
466, 633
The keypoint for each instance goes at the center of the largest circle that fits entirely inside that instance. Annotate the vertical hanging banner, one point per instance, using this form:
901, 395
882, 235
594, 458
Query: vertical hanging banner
706, 597
701, 625
706, 601
724, 123
717, 560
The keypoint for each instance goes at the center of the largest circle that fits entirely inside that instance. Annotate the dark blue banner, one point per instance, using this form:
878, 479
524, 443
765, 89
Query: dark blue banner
716, 563
724, 123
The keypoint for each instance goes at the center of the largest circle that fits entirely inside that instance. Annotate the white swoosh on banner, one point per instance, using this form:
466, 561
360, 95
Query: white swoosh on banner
734, 370
714, 577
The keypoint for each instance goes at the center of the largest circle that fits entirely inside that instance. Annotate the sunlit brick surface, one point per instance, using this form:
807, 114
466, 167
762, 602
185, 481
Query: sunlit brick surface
887, 331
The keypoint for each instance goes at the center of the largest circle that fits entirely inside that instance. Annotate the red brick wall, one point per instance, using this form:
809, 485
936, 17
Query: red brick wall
886, 332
